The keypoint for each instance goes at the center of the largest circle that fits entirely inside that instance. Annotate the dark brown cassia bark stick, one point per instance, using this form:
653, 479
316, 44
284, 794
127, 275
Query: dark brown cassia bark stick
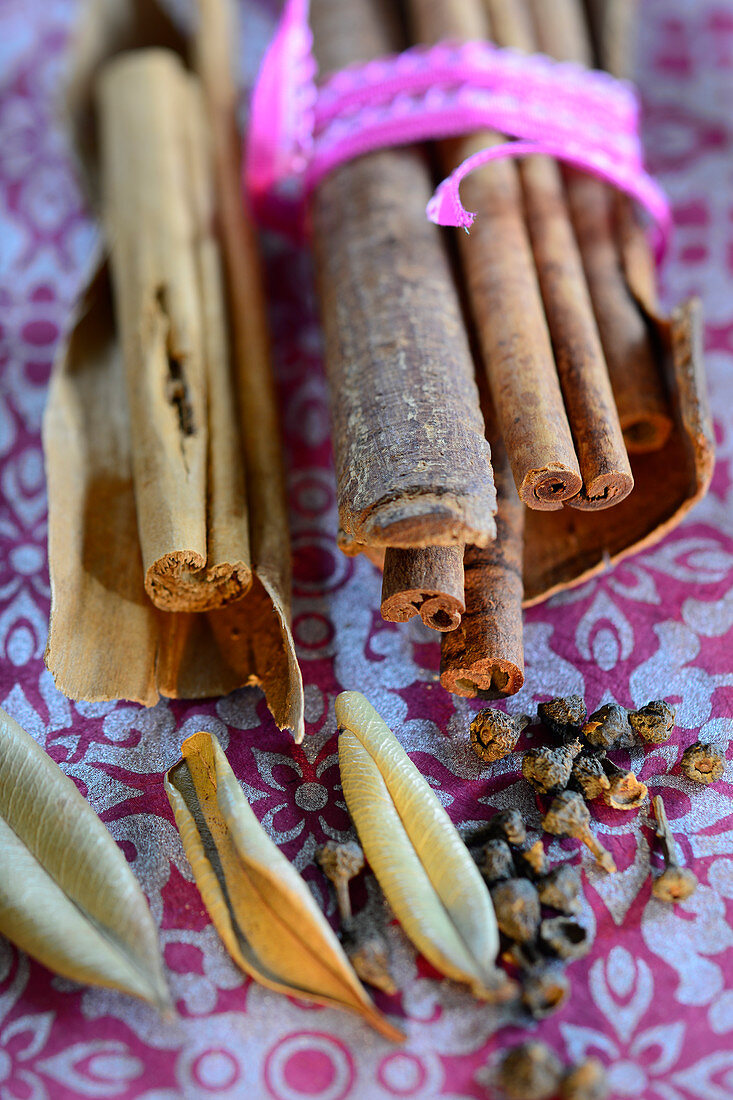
631, 354
412, 463
581, 365
505, 297
427, 582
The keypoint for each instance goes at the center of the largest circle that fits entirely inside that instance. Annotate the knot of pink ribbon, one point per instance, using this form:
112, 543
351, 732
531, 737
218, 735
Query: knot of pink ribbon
300, 130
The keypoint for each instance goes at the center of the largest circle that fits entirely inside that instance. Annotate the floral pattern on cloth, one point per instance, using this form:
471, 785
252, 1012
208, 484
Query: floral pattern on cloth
654, 999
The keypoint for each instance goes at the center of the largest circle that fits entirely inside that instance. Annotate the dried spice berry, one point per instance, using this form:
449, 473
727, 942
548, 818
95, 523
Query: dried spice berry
495, 734
369, 957
606, 726
545, 989
517, 908
340, 863
625, 791
702, 763
532, 861
565, 938
530, 1072
560, 889
589, 775
497, 862
548, 770
568, 816
509, 825
675, 883
563, 716
586, 1081
654, 722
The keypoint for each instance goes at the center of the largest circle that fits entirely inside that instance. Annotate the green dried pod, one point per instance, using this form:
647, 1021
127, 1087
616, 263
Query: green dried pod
565, 938
548, 770
531, 1071
497, 863
560, 889
702, 763
654, 722
563, 716
495, 734
606, 726
517, 908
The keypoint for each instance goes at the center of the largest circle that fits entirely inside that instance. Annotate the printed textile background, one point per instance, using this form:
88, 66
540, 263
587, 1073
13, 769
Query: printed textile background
654, 999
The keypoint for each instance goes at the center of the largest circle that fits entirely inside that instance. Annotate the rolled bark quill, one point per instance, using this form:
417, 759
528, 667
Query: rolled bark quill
427, 582
630, 349
581, 365
505, 297
412, 463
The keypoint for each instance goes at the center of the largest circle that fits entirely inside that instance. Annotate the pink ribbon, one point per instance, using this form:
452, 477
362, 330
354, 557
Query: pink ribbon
299, 131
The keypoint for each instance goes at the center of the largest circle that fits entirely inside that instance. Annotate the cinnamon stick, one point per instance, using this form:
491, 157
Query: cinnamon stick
579, 357
412, 464
628, 344
426, 582
505, 297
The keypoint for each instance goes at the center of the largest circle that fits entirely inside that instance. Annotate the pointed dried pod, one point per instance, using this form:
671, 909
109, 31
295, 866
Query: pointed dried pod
548, 770
517, 908
531, 1071
676, 882
428, 876
589, 775
340, 863
264, 912
509, 825
495, 734
654, 722
563, 716
606, 726
560, 889
586, 1081
702, 763
625, 791
532, 861
565, 938
497, 863
569, 816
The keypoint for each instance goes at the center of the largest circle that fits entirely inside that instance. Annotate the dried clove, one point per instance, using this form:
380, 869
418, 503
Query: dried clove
509, 825
566, 938
340, 863
548, 770
369, 957
568, 815
497, 863
606, 726
531, 1071
589, 775
517, 908
702, 763
654, 722
563, 716
586, 1081
495, 734
532, 861
675, 882
624, 791
560, 889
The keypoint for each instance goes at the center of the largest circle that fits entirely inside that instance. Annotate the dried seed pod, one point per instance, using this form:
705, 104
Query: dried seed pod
340, 863
369, 957
509, 825
563, 716
532, 861
589, 775
654, 722
586, 1081
545, 989
675, 883
530, 1072
606, 726
568, 816
495, 734
497, 863
517, 908
625, 791
560, 889
565, 938
548, 770
702, 763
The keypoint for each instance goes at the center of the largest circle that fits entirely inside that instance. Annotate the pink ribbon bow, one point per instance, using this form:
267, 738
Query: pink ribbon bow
299, 131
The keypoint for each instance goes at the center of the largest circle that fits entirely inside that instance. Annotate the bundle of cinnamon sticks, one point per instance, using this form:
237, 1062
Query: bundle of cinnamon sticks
505, 406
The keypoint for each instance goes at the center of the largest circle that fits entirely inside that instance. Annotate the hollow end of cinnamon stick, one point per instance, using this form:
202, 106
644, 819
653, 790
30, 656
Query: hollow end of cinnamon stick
180, 581
604, 491
426, 582
646, 432
548, 489
487, 678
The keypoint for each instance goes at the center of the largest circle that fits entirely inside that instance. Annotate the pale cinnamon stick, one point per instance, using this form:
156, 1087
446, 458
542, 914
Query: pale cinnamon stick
505, 297
629, 347
412, 464
427, 582
581, 365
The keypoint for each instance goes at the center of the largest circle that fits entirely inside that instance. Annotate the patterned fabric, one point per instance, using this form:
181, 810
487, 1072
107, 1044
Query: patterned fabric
654, 999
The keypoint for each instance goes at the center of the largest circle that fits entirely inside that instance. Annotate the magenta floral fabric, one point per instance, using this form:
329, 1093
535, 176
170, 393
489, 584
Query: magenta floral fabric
654, 999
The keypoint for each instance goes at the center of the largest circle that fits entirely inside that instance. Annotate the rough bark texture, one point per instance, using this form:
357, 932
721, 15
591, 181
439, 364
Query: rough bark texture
427, 582
412, 462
